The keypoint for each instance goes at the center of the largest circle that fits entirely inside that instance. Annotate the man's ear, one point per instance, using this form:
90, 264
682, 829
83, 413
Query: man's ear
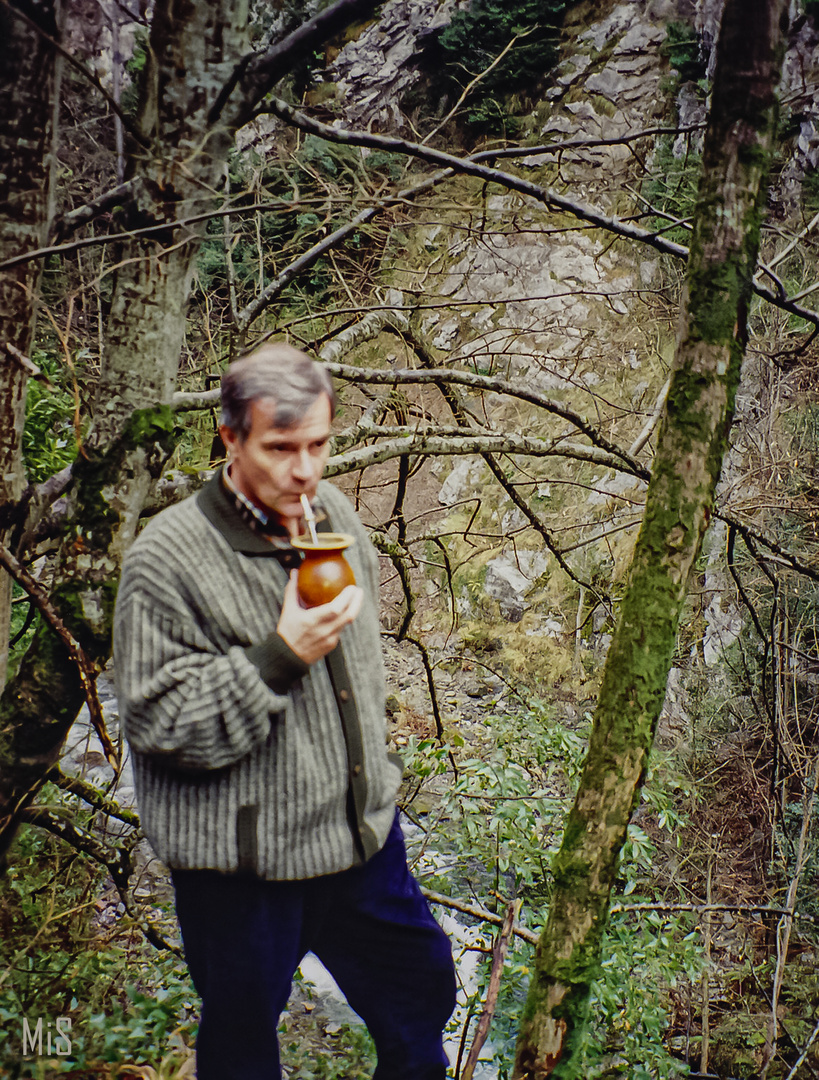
228, 437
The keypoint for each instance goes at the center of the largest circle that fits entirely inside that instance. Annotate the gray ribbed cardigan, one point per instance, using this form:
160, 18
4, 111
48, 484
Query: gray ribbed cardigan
244, 757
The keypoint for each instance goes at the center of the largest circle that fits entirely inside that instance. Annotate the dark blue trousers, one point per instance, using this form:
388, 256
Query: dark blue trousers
371, 928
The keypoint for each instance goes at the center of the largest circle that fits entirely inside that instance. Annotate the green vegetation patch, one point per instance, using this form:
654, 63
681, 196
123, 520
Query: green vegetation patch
524, 31
684, 51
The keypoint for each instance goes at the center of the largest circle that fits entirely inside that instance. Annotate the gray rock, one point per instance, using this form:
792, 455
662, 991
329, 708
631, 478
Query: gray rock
572, 69
614, 25
723, 627
506, 584
509, 579
612, 84
460, 481
691, 110
642, 37
374, 72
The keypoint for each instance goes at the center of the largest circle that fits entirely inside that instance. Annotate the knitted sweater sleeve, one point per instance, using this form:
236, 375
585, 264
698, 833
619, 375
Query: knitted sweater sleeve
182, 695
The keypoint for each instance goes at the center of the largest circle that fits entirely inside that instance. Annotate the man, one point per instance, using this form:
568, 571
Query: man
259, 745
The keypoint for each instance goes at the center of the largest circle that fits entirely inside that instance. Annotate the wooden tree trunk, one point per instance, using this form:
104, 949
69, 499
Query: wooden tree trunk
691, 444
26, 103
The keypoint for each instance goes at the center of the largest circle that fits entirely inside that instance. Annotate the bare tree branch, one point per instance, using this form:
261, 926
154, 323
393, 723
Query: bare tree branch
653, 420
581, 144
811, 225
750, 535
462, 442
440, 376
82, 215
552, 199
59, 822
398, 556
133, 234
498, 957
256, 73
253, 310
783, 930
117, 861
457, 406
74, 785
433, 693
26, 363
478, 911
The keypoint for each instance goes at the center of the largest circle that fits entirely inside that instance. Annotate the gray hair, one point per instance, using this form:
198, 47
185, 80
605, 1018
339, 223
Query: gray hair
277, 371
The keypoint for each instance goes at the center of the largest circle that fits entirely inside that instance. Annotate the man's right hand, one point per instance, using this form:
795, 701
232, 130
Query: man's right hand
313, 632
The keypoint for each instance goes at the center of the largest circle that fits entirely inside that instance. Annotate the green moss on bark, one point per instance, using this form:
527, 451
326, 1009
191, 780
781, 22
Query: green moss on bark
98, 472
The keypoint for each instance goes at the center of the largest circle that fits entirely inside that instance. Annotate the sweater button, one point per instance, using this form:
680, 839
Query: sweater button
356, 770
344, 695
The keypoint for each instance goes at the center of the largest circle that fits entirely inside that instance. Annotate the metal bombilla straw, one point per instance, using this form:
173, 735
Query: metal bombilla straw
310, 518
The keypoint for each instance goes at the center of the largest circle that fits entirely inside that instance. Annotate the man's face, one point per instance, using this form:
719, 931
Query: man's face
274, 466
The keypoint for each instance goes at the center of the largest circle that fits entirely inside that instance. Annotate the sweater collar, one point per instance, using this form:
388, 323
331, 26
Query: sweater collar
218, 506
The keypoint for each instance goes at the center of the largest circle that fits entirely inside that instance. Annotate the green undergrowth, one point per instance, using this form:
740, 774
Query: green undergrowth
314, 1050
117, 998
108, 1004
490, 813
671, 190
49, 436
685, 51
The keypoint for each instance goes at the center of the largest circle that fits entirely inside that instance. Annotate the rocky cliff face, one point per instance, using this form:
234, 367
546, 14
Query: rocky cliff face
374, 73
577, 314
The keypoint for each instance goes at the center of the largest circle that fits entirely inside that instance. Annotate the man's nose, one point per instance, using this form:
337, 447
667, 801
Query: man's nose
303, 467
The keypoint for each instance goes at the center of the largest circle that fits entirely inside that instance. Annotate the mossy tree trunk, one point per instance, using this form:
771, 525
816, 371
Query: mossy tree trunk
691, 443
199, 83
27, 67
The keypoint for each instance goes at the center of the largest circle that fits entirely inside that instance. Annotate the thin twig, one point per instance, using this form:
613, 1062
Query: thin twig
803, 1056
117, 860
700, 909
27, 364
582, 144
783, 930
433, 693
498, 957
135, 234
706, 976
477, 911
470, 86
652, 421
